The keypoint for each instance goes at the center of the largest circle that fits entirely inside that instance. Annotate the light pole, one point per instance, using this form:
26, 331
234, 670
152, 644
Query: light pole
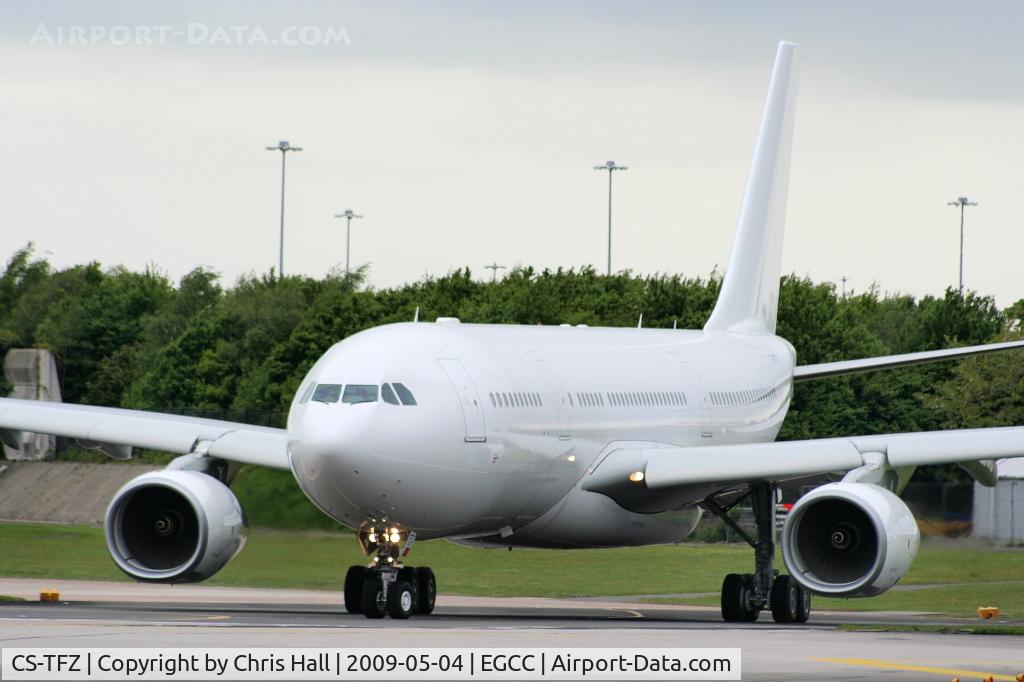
610, 167
284, 148
494, 267
348, 215
962, 202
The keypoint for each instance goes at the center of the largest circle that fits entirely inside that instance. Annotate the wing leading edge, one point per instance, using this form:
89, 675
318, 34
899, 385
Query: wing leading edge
834, 369
235, 442
666, 468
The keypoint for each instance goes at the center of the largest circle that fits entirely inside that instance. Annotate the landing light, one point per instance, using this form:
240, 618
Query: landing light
373, 537
571, 458
636, 476
395, 537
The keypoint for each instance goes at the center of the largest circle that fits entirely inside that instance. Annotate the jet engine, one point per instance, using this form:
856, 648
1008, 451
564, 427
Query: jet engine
174, 526
849, 540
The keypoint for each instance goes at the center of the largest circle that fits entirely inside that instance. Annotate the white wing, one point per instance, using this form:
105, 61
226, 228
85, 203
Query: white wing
152, 430
834, 369
622, 471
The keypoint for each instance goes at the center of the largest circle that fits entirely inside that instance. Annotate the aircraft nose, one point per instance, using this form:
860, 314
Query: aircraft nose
326, 435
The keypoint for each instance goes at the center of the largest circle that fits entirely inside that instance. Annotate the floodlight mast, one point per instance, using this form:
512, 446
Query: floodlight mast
494, 267
348, 215
611, 167
284, 148
962, 202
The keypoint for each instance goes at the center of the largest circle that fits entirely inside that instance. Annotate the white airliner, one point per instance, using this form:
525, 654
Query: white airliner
559, 437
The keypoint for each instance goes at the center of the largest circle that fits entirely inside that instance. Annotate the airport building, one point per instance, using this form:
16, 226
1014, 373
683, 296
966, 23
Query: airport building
999, 511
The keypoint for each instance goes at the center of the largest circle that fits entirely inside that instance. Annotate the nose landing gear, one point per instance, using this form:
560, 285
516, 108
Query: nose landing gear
386, 587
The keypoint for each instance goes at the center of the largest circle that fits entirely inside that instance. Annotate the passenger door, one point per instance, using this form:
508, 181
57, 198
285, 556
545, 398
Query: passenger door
564, 431
472, 410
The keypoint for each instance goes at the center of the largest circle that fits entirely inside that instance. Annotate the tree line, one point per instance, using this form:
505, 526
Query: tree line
139, 340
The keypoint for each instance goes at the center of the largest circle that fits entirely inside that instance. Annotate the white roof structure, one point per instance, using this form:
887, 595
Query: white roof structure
1010, 468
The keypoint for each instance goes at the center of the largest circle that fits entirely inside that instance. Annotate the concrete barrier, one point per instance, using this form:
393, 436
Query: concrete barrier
61, 492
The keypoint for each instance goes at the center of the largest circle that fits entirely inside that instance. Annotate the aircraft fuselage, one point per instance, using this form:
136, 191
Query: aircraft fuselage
508, 419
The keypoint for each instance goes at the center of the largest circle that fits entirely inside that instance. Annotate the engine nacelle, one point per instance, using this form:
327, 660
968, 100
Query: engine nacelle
174, 527
849, 540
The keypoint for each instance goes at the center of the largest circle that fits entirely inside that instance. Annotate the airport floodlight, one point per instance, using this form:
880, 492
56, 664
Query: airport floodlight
284, 148
610, 166
962, 202
348, 215
494, 267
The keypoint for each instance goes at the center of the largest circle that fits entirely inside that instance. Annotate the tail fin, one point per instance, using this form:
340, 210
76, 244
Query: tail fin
749, 299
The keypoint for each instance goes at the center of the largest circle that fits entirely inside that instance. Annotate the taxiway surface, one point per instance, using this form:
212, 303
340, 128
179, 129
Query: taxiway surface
129, 615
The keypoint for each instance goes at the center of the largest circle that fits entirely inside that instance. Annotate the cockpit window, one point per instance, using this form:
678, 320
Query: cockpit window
404, 394
360, 393
306, 394
388, 395
327, 393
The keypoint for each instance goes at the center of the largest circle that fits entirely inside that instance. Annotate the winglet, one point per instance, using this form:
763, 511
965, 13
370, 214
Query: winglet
749, 299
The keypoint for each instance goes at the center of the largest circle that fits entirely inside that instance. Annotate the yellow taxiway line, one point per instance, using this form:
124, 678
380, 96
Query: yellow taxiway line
894, 665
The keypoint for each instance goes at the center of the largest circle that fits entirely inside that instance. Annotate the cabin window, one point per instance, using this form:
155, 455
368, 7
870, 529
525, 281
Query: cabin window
404, 394
327, 393
387, 394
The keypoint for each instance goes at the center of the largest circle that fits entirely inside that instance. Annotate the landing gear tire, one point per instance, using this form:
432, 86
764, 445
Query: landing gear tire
736, 599
427, 590
401, 599
411, 576
785, 599
354, 580
373, 601
803, 606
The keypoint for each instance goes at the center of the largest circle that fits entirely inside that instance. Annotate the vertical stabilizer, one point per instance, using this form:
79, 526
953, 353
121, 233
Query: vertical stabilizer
749, 299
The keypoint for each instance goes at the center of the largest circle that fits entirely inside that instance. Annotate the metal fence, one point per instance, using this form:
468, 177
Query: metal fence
940, 509
275, 418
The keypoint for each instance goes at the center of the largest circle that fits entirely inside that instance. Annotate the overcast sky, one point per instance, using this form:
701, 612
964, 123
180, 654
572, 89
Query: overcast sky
467, 132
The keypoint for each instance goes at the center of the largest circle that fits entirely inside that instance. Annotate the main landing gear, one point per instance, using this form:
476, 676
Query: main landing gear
386, 587
744, 596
